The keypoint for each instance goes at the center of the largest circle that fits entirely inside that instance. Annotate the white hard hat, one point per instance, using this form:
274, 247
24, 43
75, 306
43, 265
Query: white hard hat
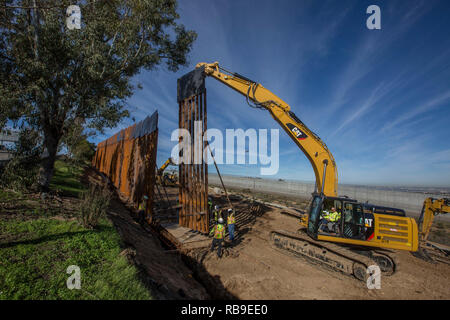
216, 207
220, 220
230, 210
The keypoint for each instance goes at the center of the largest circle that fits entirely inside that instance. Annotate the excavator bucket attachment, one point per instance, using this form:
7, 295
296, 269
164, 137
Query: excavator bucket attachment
191, 84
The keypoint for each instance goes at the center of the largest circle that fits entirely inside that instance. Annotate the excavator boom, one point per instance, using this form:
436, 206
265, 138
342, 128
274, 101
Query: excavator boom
431, 208
164, 166
312, 146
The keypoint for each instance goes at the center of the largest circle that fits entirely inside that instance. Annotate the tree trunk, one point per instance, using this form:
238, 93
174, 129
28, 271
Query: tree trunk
46, 169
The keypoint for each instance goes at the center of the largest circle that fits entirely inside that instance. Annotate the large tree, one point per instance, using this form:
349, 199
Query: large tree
53, 75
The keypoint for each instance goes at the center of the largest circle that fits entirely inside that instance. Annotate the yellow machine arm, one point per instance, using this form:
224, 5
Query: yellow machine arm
164, 166
312, 146
431, 208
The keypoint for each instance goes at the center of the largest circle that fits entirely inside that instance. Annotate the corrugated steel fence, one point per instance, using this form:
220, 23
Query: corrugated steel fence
193, 176
129, 159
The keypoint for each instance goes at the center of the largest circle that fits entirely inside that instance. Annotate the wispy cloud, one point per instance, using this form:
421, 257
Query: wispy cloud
427, 106
376, 95
368, 54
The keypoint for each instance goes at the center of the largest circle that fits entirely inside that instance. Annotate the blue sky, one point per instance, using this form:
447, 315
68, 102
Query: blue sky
380, 99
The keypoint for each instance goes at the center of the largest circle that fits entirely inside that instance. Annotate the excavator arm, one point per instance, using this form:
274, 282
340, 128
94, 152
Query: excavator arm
164, 166
431, 208
312, 146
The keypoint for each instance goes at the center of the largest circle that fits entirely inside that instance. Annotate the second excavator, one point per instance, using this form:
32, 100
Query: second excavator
166, 179
361, 236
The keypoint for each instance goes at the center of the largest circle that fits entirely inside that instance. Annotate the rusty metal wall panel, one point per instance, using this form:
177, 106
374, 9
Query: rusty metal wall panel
128, 158
193, 177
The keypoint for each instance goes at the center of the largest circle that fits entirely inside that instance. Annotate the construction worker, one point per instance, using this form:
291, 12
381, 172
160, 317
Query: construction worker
218, 231
329, 219
334, 215
324, 218
231, 221
217, 213
142, 208
210, 205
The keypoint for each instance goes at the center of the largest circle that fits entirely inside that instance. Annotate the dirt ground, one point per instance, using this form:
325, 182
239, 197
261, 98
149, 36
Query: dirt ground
252, 269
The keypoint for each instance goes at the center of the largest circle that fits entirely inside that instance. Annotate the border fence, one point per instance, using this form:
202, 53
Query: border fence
128, 158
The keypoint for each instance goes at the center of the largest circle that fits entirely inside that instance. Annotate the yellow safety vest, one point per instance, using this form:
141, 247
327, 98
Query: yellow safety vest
142, 206
334, 216
219, 231
326, 214
231, 220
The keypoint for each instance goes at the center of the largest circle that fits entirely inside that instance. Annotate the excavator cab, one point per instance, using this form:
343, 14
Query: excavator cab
352, 222
356, 224
314, 215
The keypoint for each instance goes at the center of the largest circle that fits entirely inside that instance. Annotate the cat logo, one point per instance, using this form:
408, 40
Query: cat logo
297, 132
368, 222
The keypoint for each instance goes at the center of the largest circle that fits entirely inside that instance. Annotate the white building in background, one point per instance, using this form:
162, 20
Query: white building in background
7, 138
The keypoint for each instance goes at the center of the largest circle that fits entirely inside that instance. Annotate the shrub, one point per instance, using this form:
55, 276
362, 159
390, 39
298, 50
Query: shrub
20, 173
94, 203
79, 149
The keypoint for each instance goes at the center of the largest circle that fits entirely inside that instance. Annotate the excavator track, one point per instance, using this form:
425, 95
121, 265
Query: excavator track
338, 258
387, 261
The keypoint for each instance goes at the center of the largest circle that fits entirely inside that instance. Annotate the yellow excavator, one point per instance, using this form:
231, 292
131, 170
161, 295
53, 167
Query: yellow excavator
429, 250
166, 179
363, 236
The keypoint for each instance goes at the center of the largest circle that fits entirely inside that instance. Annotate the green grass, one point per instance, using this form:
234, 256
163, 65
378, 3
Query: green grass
36, 249
66, 179
6, 195
33, 266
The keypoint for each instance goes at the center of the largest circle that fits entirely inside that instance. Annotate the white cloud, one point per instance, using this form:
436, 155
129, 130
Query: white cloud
427, 106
